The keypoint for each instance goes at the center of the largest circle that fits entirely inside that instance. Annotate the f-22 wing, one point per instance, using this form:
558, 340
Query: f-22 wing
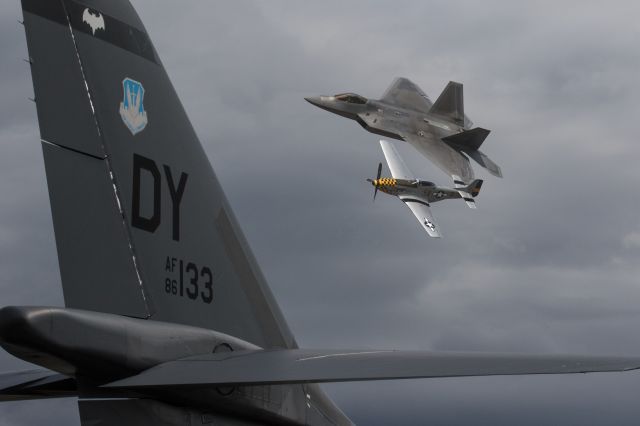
418, 205
442, 155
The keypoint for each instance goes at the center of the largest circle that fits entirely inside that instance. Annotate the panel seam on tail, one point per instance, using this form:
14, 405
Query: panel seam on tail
116, 192
72, 150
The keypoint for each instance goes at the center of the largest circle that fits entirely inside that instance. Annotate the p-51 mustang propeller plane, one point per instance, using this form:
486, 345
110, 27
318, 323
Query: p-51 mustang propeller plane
419, 194
168, 318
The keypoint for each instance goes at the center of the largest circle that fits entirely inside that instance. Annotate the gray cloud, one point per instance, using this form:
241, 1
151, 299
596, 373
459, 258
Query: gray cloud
548, 263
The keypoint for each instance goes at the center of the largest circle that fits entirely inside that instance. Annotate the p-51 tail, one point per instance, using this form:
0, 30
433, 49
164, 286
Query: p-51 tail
468, 192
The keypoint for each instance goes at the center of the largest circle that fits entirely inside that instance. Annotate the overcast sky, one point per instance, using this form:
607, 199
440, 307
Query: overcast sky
547, 264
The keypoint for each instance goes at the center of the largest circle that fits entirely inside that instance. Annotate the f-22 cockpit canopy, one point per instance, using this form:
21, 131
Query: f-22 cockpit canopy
351, 98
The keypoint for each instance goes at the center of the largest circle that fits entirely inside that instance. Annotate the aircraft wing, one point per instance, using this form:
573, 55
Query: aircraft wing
404, 93
418, 205
35, 384
315, 366
420, 208
399, 169
442, 155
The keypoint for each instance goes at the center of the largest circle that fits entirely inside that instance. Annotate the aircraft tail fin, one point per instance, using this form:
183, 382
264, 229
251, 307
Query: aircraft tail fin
450, 104
474, 187
469, 140
142, 226
468, 192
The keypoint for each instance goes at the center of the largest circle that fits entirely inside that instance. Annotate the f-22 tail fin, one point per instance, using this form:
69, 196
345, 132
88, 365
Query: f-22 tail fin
450, 103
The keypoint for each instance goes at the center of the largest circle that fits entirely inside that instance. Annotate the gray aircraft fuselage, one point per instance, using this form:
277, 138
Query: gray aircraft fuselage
388, 120
423, 188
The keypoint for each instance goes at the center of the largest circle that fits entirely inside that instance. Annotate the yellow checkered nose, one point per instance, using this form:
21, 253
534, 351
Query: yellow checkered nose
384, 182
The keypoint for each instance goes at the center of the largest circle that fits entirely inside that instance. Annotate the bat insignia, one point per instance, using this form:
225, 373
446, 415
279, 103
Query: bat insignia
96, 22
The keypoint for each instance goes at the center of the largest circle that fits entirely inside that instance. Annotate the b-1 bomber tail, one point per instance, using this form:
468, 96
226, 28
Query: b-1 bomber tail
143, 228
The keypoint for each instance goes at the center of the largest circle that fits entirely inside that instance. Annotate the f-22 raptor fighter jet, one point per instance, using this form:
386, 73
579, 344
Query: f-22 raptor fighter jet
168, 319
440, 131
419, 194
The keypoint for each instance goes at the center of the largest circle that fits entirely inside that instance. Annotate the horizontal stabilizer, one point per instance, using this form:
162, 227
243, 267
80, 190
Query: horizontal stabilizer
468, 192
480, 158
266, 367
469, 140
450, 103
471, 203
35, 384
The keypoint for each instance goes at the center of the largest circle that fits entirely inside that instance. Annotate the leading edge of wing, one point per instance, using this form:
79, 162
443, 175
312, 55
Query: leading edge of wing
266, 367
397, 166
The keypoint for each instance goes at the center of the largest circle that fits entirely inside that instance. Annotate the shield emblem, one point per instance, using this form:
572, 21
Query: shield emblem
132, 106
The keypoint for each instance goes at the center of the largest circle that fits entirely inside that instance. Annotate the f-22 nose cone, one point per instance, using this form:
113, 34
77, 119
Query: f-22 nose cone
313, 100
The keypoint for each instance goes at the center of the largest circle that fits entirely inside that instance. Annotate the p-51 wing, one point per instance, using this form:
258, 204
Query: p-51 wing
418, 205
420, 208
397, 166
316, 366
